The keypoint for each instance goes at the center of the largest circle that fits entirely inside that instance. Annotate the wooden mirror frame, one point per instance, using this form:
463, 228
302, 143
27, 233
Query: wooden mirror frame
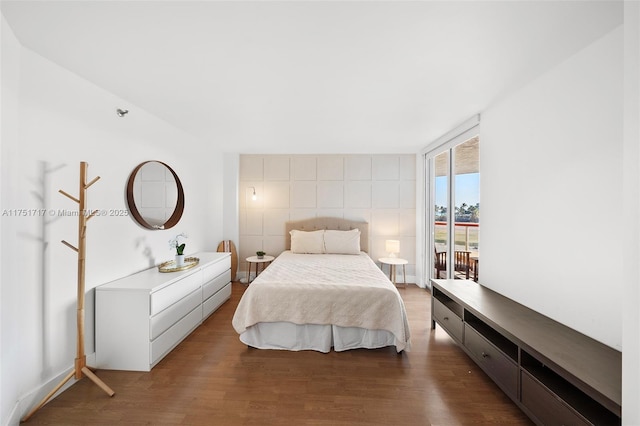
177, 212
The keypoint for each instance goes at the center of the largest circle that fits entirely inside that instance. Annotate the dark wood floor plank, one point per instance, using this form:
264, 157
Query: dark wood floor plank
214, 379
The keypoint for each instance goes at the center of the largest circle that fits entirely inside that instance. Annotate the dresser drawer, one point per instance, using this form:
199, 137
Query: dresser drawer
448, 320
213, 286
174, 335
209, 272
170, 294
212, 303
494, 362
547, 408
171, 315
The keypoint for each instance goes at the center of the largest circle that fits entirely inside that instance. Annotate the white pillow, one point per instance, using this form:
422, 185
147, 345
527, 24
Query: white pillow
342, 242
311, 242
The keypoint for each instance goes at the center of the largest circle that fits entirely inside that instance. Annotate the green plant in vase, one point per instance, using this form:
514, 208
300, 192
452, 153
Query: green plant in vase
174, 243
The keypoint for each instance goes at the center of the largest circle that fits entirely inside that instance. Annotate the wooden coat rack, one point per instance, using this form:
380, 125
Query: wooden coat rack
80, 366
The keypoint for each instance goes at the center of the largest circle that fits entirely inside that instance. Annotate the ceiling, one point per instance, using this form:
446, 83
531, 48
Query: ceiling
310, 77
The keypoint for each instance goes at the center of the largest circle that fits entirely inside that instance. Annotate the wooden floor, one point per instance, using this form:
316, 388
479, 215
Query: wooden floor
212, 378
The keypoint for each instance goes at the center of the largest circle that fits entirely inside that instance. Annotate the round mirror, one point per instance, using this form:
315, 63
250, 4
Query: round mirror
155, 196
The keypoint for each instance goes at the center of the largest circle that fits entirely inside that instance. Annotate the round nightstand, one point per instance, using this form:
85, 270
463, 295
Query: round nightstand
258, 261
393, 262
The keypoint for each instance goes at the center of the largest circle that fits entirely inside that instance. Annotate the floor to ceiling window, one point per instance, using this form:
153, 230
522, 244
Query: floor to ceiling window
453, 208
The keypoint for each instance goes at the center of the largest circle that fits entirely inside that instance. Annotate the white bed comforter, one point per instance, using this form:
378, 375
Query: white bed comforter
343, 290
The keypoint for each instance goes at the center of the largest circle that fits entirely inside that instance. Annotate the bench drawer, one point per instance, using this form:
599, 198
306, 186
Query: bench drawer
493, 361
448, 320
545, 406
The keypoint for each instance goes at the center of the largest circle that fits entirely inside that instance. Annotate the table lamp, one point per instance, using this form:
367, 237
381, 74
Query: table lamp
392, 247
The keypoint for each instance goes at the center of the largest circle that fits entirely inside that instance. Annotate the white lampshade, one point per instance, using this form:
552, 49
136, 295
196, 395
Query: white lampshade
392, 247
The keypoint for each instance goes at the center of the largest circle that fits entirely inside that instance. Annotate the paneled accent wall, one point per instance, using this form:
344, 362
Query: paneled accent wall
378, 189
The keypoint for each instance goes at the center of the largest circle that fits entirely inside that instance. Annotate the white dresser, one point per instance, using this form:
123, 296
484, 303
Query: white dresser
142, 317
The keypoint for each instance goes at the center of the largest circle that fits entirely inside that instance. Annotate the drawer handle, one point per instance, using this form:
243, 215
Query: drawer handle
484, 355
446, 318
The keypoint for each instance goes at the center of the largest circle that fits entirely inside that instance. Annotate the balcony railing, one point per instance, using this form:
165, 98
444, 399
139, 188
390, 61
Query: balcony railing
466, 235
466, 240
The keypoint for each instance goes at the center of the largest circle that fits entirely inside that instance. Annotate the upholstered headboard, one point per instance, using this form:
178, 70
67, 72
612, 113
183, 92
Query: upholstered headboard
335, 223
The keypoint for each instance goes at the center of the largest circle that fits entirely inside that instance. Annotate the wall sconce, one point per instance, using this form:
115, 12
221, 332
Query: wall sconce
392, 247
253, 196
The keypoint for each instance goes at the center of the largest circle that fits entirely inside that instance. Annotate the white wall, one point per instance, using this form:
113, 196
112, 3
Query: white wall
631, 217
378, 189
52, 120
231, 209
551, 165
9, 101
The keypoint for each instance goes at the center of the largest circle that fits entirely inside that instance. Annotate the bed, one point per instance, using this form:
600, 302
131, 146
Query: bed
323, 292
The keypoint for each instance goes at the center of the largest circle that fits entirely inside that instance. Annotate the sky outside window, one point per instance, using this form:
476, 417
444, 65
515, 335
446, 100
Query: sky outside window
467, 189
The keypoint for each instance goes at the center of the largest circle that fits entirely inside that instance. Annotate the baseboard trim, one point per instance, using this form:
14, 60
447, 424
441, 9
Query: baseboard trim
33, 398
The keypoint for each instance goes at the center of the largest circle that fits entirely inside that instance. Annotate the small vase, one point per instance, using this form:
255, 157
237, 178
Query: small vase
179, 260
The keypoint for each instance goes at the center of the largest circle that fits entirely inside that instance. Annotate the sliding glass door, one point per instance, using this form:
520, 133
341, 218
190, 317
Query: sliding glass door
453, 210
440, 209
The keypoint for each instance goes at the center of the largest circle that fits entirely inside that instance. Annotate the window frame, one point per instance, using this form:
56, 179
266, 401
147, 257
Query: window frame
447, 142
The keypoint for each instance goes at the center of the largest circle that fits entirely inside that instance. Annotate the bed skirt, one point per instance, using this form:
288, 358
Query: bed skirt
316, 337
